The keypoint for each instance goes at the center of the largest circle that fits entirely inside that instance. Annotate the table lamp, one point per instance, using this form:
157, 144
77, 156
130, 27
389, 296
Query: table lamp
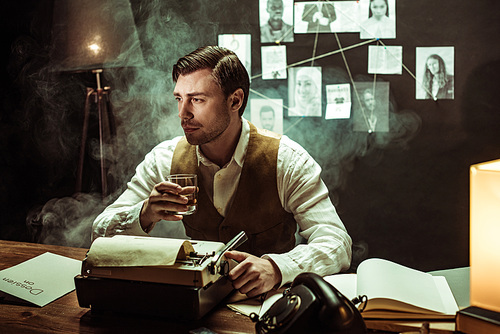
90, 36
483, 316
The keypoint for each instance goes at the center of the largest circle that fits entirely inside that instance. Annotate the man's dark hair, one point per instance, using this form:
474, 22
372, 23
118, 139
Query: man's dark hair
227, 69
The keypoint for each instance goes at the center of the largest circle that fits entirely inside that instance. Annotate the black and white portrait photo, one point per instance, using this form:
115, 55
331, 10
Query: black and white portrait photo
276, 21
379, 19
267, 114
435, 73
314, 17
304, 91
370, 110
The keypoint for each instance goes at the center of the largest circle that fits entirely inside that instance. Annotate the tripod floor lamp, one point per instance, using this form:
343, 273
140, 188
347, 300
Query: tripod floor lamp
92, 36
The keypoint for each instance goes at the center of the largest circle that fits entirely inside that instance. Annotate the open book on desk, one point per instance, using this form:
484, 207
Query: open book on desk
397, 292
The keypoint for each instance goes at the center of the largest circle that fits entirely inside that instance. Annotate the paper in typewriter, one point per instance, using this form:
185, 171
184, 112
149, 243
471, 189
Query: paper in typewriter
133, 251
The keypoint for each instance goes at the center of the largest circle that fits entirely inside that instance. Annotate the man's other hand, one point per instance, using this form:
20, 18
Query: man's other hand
253, 276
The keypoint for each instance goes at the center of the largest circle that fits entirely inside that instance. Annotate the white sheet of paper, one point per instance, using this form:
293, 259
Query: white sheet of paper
256, 305
338, 99
273, 62
347, 19
42, 279
385, 59
133, 251
344, 283
338, 111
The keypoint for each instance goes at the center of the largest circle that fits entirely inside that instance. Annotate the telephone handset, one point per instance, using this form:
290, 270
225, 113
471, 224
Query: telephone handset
311, 305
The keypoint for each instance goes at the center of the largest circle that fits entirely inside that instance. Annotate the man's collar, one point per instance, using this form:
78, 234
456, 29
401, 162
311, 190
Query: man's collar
239, 152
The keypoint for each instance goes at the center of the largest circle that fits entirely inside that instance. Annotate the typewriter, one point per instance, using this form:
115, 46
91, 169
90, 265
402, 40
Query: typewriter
171, 278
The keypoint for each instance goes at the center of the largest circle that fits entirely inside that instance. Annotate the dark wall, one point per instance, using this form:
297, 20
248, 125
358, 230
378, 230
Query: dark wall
402, 195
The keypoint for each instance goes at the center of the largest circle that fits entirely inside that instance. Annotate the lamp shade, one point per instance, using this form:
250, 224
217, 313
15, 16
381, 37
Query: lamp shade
485, 235
94, 34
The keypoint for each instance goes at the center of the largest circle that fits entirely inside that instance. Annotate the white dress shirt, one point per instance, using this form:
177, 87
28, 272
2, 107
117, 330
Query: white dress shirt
301, 192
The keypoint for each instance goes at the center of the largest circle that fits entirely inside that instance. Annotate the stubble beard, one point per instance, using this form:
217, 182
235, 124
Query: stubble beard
216, 129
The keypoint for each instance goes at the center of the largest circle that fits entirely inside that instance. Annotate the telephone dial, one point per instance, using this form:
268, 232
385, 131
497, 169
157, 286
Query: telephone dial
311, 305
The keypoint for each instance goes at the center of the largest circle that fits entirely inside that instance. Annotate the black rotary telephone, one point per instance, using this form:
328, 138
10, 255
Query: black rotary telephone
311, 305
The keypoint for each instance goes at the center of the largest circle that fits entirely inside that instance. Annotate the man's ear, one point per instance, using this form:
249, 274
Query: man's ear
236, 99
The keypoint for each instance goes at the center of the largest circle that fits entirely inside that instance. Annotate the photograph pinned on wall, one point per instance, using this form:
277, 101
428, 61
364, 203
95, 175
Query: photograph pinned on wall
338, 101
378, 19
267, 114
304, 91
435, 72
385, 59
347, 16
370, 108
314, 17
273, 62
240, 44
276, 21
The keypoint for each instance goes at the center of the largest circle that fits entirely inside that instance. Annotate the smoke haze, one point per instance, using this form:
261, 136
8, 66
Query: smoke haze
146, 114
143, 106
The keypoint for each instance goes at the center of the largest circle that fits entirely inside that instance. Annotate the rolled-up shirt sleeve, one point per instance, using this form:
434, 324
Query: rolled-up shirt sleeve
122, 216
303, 193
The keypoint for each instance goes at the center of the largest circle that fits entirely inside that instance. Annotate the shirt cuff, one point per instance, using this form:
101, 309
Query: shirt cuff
289, 270
135, 223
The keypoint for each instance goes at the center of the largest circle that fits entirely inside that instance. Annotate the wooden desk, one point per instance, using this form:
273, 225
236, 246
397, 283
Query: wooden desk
64, 315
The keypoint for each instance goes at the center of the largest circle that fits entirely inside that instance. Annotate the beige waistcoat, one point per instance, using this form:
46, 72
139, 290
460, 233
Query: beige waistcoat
256, 208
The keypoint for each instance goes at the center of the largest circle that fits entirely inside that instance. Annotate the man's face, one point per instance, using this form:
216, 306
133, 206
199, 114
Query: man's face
267, 119
275, 10
203, 109
369, 101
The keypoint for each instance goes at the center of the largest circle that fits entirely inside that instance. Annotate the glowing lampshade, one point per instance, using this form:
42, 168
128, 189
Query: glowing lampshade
485, 235
94, 34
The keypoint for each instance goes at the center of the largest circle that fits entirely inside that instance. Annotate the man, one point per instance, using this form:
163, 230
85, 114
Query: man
275, 30
267, 117
250, 180
369, 110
